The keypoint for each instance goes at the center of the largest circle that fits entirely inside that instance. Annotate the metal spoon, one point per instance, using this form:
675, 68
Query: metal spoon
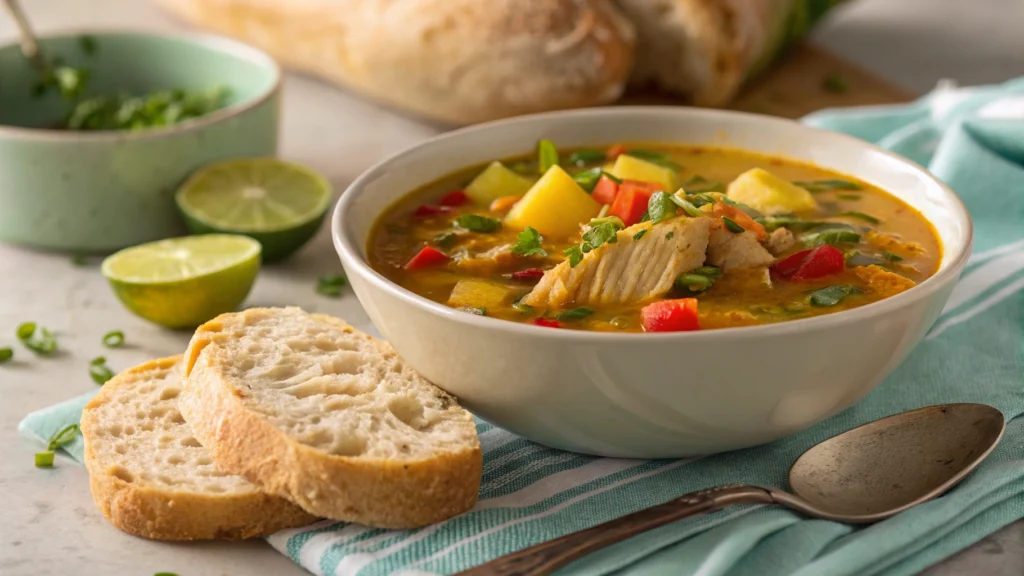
864, 475
29, 45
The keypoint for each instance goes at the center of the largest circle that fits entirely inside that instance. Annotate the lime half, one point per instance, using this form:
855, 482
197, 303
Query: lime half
278, 203
183, 282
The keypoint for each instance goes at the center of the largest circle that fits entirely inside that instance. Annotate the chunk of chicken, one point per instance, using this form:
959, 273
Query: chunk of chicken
628, 270
486, 262
728, 250
883, 282
780, 241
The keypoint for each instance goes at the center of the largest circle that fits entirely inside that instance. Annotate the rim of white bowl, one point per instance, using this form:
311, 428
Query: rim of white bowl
225, 45
351, 254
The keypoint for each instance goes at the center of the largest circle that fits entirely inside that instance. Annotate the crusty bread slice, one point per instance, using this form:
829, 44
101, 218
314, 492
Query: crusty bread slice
312, 410
151, 478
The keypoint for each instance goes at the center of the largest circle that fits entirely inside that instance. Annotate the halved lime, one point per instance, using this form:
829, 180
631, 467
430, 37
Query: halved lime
276, 202
183, 282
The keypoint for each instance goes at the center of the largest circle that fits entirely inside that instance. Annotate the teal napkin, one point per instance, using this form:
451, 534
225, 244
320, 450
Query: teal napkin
974, 140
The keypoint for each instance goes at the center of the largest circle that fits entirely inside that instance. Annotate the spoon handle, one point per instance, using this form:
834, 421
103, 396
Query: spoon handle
546, 557
29, 46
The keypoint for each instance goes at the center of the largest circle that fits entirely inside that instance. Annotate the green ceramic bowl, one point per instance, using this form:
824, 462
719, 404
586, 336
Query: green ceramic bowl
102, 191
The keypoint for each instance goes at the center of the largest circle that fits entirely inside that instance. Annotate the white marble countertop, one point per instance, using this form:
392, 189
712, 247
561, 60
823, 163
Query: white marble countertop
48, 523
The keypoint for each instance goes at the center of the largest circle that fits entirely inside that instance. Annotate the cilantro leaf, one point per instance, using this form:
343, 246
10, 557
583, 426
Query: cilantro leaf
528, 243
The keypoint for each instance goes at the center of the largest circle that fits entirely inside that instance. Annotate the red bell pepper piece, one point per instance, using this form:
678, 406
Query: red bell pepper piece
615, 151
427, 211
547, 323
529, 275
810, 264
670, 316
454, 198
605, 190
631, 201
427, 256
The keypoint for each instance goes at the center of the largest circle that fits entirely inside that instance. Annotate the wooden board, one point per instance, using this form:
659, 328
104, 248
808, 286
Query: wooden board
796, 86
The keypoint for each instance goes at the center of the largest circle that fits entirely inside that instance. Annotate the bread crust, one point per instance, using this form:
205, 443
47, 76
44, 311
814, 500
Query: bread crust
160, 514
457, 61
386, 493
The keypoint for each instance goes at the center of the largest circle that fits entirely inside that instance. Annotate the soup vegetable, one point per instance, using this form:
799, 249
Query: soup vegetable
652, 238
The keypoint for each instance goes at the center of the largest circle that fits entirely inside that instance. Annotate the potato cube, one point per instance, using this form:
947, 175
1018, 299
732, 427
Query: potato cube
554, 206
630, 168
494, 182
769, 194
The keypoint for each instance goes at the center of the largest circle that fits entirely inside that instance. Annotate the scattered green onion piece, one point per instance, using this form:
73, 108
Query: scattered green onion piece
891, 257
477, 223
547, 155
686, 205
670, 235
528, 243
6, 354
612, 177
44, 459
26, 330
62, 437
826, 185
99, 371
693, 282
523, 308
587, 179
835, 83
585, 156
574, 314
709, 271
832, 295
113, 339
732, 226
833, 237
861, 216
640, 234
45, 344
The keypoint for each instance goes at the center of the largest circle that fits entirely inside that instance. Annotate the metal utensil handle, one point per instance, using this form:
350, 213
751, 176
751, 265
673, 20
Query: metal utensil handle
29, 46
546, 557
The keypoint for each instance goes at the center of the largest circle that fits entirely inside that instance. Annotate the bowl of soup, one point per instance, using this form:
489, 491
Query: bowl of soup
651, 282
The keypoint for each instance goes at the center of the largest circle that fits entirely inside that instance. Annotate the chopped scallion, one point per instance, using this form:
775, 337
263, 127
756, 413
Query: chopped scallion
45, 343
44, 459
891, 257
574, 314
113, 339
99, 371
585, 156
732, 226
640, 234
661, 207
686, 205
331, 284
6, 354
693, 282
62, 437
861, 216
547, 155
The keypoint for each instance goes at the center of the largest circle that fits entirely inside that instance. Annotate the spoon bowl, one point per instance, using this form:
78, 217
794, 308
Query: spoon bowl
863, 475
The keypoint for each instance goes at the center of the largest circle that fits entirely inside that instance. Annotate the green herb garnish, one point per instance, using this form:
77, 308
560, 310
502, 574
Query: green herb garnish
528, 243
45, 343
833, 237
826, 185
586, 156
113, 339
331, 284
602, 231
835, 83
693, 282
162, 108
670, 235
44, 459
62, 437
653, 157
686, 205
522, 308
861, 216
891, 257
587, 179
660, 207
99, 371
574, 314
832, 295
547, 155
477, 223
640, 234
6, 354
732, 226
446, 240
709, 271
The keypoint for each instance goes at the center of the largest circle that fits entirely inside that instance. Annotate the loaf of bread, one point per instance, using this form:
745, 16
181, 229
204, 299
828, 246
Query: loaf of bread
149, 475
312, 410
466, 61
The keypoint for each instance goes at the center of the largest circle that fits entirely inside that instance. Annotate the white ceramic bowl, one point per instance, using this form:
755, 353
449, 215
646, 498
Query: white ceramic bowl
651, 395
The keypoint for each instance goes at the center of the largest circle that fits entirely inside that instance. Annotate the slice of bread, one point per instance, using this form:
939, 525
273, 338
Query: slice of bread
151, 478
312, 410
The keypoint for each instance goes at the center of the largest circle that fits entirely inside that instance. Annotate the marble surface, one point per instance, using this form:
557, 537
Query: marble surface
48, 523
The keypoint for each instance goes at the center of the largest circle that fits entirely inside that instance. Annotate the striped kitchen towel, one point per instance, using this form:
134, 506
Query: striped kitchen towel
971, 138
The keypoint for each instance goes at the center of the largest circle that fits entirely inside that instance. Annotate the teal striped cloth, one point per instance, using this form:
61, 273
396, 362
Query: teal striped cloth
974, 140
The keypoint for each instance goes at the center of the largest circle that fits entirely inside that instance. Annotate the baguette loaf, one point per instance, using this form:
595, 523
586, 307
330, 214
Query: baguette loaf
151, 478
330, 418
457, 61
